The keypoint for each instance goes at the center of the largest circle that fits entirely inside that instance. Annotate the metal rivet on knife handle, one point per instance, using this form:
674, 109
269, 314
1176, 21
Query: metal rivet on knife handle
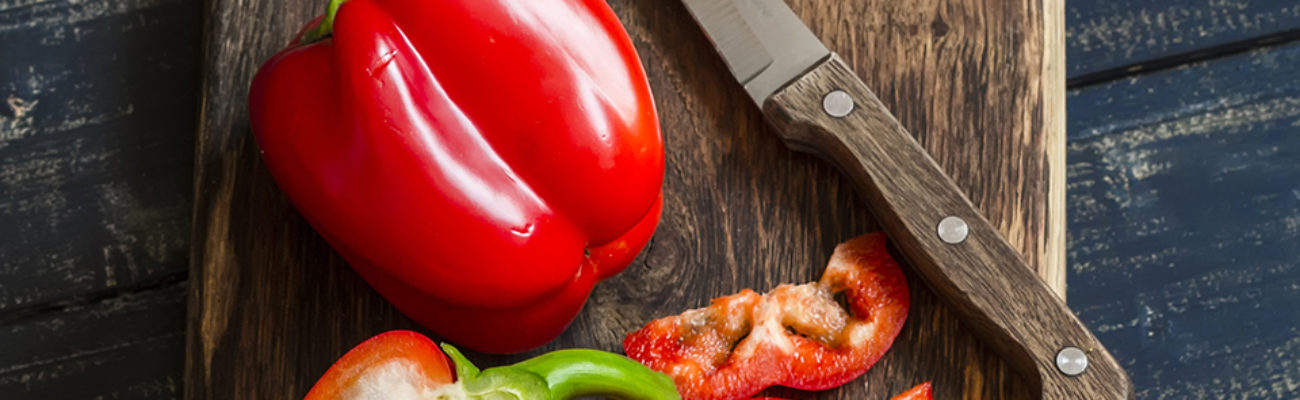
953, 230
1071, 361
837, 104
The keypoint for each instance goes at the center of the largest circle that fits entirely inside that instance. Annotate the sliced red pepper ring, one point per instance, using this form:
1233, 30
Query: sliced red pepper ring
400, 365
794, 336
918, 392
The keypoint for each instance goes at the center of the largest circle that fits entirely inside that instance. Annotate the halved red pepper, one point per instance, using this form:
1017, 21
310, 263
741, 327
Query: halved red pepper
481, 163
399, 365
794, 336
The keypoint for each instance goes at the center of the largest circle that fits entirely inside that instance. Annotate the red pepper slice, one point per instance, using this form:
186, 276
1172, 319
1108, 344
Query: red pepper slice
400, 365
795, 336
481, 163
918, 392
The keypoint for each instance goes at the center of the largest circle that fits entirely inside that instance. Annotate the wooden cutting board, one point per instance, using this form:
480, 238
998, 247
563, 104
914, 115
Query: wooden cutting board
980, 82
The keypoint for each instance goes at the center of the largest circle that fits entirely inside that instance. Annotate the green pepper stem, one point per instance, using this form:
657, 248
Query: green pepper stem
584, 372
326, 27
563, 374
465, 370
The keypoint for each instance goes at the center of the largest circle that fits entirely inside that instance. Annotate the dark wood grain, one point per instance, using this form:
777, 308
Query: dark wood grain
272, 306
1185, 219
979, 274
1113, 38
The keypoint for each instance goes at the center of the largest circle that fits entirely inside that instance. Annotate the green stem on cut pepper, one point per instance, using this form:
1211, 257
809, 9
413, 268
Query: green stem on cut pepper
574, 373
563, 374
326, 26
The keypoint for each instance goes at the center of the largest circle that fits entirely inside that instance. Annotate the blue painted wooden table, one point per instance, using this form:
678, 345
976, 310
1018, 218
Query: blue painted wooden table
1184, 246
1184, 193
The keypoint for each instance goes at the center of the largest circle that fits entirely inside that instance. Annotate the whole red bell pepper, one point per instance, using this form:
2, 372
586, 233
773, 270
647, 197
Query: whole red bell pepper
794, 336
481, 163
400, 365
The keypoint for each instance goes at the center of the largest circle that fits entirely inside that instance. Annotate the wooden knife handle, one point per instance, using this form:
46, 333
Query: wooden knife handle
982, 277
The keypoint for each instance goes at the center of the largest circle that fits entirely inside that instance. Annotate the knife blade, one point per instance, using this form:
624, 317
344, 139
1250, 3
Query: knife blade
818, 105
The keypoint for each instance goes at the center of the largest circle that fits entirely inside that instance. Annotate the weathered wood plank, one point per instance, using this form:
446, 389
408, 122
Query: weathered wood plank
99, 99
124, 347
1126, 35
98, 102
1185, 219
741, 210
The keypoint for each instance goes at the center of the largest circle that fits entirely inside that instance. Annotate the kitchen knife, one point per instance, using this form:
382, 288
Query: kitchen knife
818, 105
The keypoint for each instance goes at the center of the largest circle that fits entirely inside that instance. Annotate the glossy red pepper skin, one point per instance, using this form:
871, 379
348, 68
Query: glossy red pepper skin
794, 336
481, 163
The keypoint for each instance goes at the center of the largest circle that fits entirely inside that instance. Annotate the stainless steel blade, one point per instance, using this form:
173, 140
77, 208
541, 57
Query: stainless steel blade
763, 42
